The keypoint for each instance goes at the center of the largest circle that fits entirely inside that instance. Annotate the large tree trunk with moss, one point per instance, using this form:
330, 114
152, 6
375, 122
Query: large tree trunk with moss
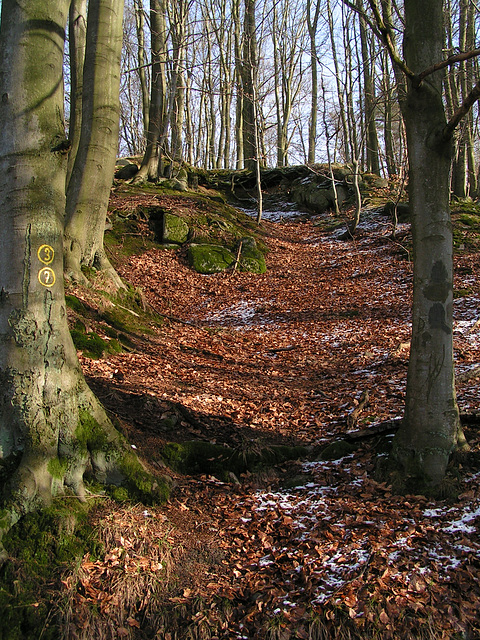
52, 428
88, 190
430, 429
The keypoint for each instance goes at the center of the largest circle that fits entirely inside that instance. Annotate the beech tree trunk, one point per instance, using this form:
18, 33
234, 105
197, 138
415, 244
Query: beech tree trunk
77, 31
240, 155
51, 425
312, 25
88, 190
249, 75
371, 138
142, 63
430, 430
156, 133
178, 12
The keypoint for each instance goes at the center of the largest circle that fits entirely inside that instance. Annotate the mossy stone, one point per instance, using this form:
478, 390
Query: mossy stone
402, 209
251, 258
197, 456
209, 258
127, 171
337, 450
173, 184
175, 229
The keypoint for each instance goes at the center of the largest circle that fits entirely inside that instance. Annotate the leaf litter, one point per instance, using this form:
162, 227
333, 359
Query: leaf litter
313, 546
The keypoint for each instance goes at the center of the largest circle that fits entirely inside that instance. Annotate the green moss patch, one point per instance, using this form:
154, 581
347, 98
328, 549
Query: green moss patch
128, 237
469, 220
90, 343
208, 258
41, 545
76, 304
251, 258
57, 468
138, 484
175, 229
466, 225
89, 433
106, 330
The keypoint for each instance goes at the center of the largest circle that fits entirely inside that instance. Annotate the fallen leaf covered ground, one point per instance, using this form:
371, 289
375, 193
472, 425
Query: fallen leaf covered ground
313, 549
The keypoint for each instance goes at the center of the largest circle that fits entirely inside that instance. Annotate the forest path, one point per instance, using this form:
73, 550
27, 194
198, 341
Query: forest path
284, 354
283, 358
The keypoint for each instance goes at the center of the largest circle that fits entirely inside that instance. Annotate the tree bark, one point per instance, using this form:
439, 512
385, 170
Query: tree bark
178, 19
158, 95
249, 76
340, 89
390, 161
77, 30
237, 41
430, 429
49, 418
371, 138
312, 24
141, 57
88, 190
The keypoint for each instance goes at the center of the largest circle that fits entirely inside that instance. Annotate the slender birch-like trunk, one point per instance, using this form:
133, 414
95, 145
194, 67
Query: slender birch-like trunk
77, 30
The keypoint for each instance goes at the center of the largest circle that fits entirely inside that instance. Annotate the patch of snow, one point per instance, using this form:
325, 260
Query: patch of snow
461, 524
433, 513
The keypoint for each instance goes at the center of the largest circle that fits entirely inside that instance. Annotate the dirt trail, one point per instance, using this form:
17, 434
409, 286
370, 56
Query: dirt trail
284, 354
284, 357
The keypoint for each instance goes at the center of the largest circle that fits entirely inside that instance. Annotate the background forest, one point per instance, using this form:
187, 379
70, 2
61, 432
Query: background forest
322, 82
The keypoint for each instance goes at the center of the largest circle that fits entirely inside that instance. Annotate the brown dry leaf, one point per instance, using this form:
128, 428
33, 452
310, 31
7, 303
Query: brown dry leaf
133, 623
383, 617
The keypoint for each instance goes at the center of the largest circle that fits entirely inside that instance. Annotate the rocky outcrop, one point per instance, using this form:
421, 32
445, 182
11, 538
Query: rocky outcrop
315, 192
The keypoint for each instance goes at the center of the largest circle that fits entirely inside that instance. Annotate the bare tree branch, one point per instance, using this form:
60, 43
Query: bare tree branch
462, 111
459, 57
384, 32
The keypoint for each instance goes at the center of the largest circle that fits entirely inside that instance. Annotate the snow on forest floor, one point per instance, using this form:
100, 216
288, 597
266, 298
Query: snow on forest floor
284, 357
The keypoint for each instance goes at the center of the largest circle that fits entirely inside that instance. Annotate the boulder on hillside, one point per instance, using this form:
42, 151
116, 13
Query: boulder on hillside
377, 182
168, 228
316, 194
402, 209
251, 258
126, 171
209, 258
